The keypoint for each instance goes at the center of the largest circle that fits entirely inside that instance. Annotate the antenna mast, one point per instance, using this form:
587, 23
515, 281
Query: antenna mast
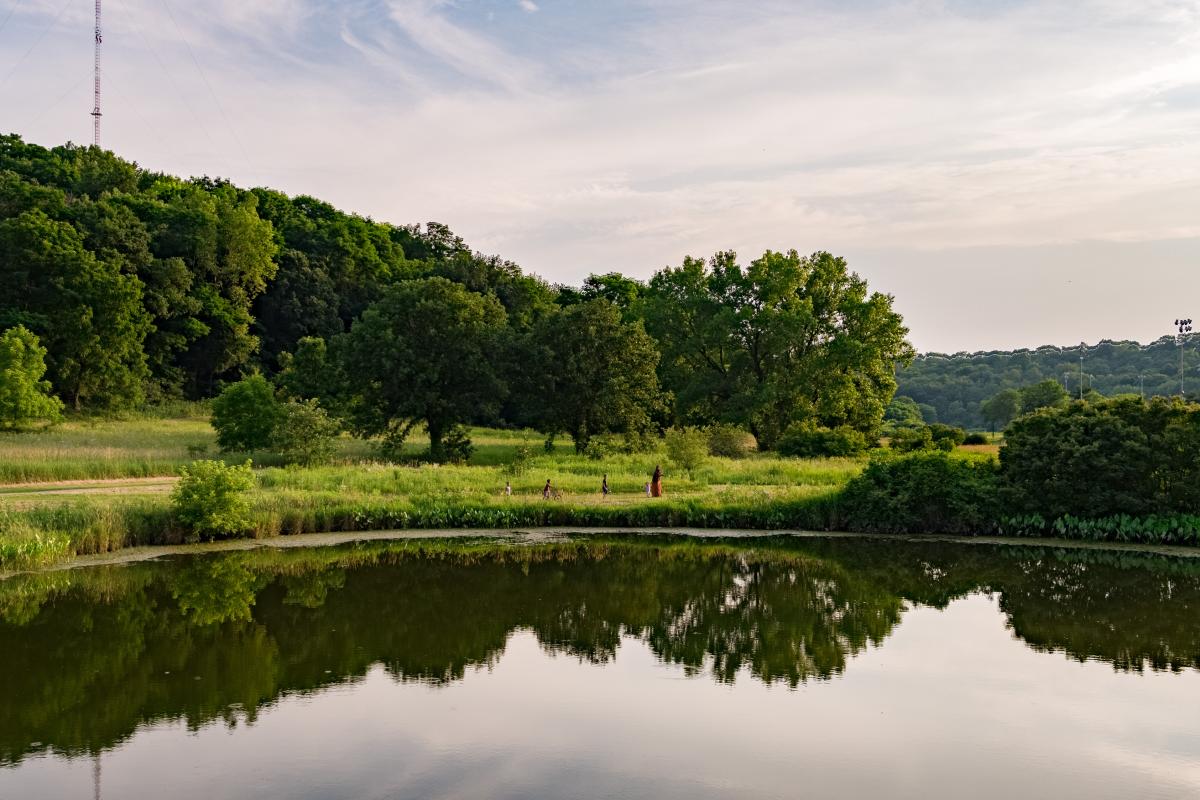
96, 88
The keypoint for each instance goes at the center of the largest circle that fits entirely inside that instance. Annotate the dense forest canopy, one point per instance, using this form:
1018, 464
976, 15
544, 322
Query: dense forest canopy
954, 386
144, 287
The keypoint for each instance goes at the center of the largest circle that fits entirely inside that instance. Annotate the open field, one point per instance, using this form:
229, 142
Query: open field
94, 486
89, 448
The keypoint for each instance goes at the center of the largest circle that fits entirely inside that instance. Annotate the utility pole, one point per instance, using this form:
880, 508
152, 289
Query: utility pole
96, 83
1184, 328
1142, 385
1067, 382
1082, 349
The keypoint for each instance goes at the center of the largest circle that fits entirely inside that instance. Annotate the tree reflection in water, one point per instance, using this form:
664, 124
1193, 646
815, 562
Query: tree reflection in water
91, 654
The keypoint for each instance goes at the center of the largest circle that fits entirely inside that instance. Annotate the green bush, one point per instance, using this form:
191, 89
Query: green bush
1153, 529
1106, 458
611, 445
911, 440
687, 448
305, 433
245, 415
24, 396
924, 492
975, 438
730, 441
456, 446
522, 460
946, 437
210, 499
809, 442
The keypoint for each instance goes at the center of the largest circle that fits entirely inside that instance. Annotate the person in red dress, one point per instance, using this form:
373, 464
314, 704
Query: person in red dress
656, 489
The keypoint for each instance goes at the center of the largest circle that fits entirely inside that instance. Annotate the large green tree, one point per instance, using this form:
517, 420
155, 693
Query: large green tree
1001, 408
594, 373
428, 351
1043, 394
216, 255
786, 339
24, 396
86, 311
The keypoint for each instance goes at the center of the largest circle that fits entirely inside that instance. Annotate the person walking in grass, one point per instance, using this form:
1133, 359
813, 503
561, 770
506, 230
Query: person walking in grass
508, 488
547, 491
604, 485
656, 488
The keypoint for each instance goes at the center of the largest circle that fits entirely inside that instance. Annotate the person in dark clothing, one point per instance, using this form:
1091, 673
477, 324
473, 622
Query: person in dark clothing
604, 486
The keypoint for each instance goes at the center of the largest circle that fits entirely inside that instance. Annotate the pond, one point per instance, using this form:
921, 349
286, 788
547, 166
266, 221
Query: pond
615, 667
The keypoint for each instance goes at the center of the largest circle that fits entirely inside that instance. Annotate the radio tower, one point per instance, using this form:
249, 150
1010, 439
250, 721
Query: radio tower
96, 88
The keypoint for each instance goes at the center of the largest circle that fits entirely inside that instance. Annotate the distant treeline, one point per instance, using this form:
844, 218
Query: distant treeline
144, 287
954, 386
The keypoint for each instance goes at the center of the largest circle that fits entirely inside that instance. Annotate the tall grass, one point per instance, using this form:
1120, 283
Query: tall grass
43, 534
155, 444
89, 448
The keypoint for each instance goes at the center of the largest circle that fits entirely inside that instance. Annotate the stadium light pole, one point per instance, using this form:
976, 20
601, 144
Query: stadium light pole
1184, 330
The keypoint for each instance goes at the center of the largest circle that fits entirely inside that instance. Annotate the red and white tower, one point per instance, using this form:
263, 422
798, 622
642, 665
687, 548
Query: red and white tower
96, 86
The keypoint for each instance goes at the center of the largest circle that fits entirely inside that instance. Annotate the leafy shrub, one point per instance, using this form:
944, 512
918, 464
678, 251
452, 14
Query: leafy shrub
924, 492
1104, 459
210, 498
809, 442
903, 411
608, 445
946, 437
24, 395
911, 440
602, 447
305, 433
521, 461
456, 446
730, 441
687, 448
975, 438
245, 415
1153, 529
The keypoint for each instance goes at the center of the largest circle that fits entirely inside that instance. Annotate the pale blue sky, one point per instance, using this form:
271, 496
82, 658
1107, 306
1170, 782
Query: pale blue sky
1016, 173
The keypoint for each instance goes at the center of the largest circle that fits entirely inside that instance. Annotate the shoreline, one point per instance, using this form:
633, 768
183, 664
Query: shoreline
539, 535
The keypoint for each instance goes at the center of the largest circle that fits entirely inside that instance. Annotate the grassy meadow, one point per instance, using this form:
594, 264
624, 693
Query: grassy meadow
52, 504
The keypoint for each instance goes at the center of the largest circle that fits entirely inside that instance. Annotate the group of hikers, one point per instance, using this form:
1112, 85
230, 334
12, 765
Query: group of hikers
653, 489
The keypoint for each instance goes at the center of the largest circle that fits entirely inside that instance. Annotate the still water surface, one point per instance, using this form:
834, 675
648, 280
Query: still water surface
624, 668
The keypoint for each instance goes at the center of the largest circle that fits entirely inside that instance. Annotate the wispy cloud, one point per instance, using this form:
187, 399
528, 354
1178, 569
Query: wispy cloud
473, 55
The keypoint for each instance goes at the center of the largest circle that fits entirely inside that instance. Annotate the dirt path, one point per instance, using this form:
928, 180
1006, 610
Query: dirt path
97, 486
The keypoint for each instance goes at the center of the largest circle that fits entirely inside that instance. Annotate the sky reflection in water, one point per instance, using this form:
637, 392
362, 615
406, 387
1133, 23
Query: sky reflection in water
630, 668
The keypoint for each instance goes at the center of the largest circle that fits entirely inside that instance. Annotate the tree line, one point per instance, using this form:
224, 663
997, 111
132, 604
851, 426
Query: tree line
141, 287
952, 388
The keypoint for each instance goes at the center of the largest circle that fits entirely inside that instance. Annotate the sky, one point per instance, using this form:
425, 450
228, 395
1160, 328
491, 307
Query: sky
1014, 173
